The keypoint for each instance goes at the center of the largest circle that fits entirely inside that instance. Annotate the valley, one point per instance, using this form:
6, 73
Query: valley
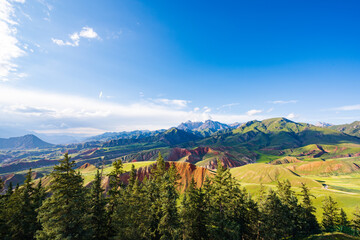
257, 152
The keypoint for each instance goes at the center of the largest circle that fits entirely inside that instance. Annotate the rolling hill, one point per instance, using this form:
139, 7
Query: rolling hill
270, 174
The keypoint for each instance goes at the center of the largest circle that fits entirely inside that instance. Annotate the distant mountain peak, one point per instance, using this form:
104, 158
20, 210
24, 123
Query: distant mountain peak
28, 141
323, 124
199, 126
189, 125
213, 125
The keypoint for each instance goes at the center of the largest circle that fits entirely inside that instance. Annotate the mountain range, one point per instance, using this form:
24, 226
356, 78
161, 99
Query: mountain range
200, 143
200, 126
256, 152
276, 132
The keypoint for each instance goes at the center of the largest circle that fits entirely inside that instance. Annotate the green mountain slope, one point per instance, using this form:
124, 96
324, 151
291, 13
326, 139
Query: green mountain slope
270, 174
351, 129
279, 133
170, 137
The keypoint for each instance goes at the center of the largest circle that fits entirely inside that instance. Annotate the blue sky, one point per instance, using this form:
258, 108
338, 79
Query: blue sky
85, 67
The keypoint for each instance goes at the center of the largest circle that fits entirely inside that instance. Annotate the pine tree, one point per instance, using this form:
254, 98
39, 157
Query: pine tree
115, 191
21, 211
331, 214
3, 200
64, 214
226, 206
292, 209
39, 195
274, 218
253, 219
139, 208
344, 224
2, 185
160, 201
97, 211
10, 190
308, 218
4, 203
159, 170
130, 217
168, 212
132, 177
150, 198
13, 216
193, 215
38, 199
356, 221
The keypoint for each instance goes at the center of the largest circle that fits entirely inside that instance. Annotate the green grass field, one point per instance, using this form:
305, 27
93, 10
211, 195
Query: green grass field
89, 174
345, 189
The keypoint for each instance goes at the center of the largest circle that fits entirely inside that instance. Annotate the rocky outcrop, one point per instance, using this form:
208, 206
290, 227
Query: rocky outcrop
192, 156
185, 170
198, 154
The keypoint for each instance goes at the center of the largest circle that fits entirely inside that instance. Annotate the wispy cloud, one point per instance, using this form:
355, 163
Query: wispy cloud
86, 32
253, 112
348, 108
172, 102
9, 44
47, 10
72, 131
283, 102
19, 1
229, 105
49, 112
46, 108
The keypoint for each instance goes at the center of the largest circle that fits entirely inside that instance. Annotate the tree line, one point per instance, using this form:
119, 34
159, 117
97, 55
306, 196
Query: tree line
154, 209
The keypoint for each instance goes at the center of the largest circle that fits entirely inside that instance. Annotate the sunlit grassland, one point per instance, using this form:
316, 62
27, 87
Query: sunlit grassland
345, 189
89, 174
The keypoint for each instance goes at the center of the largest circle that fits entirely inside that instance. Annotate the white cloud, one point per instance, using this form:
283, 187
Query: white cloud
207, 109
283, 102
48, 112
60, 42
9, 44
86, 32
19, 1
77, 131
172, 102
291, 116
34, 109
253, 112
348, 108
